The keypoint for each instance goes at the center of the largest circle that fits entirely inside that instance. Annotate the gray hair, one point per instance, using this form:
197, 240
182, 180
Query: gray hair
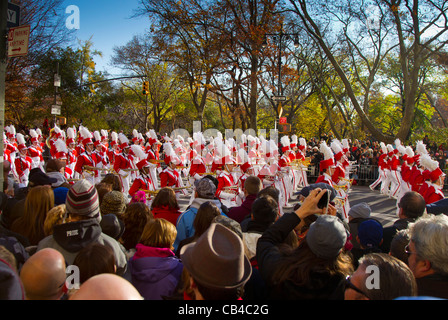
430, 236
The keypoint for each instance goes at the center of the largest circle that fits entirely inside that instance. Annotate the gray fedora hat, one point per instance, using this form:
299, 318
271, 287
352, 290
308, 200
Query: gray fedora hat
217, 259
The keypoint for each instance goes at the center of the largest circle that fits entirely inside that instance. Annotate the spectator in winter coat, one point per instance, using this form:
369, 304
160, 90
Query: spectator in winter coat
427, 255
165, 206
82, 227
252, 186
205, 191
411, 206
154, 269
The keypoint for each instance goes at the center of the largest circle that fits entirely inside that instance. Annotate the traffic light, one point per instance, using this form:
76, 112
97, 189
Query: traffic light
145, 88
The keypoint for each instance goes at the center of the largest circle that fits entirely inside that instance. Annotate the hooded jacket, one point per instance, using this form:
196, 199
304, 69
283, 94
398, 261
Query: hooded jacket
155, 272
69, 238
184, 225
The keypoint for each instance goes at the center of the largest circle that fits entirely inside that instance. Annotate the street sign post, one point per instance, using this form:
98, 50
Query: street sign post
56, 110
279, 98
13, 15
18, 38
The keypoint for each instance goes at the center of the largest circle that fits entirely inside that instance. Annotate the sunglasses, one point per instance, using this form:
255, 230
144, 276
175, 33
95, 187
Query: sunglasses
349, 284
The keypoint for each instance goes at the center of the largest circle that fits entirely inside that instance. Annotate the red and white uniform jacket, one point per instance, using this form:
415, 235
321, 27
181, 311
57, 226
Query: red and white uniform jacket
227, 187
197, 168
35, 154
169, 178
121, 163
325, 178
152, 155
284, 161
142, 182
416, 179
23, 168
85, 159
339, 173
433, 194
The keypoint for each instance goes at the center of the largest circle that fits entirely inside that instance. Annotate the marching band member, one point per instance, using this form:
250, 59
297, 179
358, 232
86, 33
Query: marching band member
114, 149
170, 177
326, 166
10, 151
385, 189
22, 161
182, 155
338, 177
436, 179
135, 136
246, 171
62, 154
382, 166
35, 151
72, 156
7, 151
122, 163
405, 170
153, 152
55, 134
270, 173
101, 159
285, 167
293, 158
79, 142
143, 180
394, 163
417, 179
86, 160
105, 138
303, 166
197, 163
11, 137
227, 189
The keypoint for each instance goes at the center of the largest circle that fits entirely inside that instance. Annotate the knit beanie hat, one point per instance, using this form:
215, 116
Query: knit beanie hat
82, 199
113, 202
60, 195
205, 188
360, 210
326, 237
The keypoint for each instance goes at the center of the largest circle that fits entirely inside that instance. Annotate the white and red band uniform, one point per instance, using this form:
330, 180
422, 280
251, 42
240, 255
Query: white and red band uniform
122, 164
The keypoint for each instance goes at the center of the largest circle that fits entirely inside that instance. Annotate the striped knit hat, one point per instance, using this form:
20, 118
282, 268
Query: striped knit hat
82, 199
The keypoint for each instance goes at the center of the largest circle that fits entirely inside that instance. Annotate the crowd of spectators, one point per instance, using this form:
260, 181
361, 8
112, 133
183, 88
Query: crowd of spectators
85, 242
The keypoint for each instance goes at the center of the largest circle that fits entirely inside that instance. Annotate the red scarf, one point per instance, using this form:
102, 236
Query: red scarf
145, 251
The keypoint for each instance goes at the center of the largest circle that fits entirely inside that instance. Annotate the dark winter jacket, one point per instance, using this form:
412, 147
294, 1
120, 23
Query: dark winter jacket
324, 286
69, 238
155, 272
239, 213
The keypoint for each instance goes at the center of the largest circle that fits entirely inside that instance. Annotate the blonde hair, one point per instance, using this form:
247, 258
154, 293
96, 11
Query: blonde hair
159, 233
54, 217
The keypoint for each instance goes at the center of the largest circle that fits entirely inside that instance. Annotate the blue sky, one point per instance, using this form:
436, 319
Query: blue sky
108, 23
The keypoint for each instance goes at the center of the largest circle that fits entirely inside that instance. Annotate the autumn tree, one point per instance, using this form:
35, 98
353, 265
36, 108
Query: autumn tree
138, 58
368, 31
47, 31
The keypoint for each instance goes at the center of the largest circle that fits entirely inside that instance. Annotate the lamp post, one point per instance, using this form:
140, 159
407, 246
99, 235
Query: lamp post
57, 83
280, 36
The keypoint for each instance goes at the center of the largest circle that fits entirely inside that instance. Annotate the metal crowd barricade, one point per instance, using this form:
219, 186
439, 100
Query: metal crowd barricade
362, 174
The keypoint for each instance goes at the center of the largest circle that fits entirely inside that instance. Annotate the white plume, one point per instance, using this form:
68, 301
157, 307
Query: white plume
138, 151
